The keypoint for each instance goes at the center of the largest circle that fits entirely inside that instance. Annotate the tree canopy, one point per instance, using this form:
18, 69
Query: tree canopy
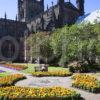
76, 42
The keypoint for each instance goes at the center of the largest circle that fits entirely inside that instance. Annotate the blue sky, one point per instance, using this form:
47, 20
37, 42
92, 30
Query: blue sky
10, 6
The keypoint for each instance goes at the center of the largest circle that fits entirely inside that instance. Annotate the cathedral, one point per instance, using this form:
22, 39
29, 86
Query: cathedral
33, 18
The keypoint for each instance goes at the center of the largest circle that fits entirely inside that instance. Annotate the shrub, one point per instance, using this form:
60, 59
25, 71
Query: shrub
52, 73
10, 79
86, 82
38, 93
78, 67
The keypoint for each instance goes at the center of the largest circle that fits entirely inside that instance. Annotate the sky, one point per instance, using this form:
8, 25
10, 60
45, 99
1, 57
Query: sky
10, 6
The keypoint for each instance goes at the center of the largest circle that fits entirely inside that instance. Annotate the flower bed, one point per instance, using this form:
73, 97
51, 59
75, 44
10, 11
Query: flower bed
86, 82
10, 79
53, 93
52, 73
1, 71
17, 67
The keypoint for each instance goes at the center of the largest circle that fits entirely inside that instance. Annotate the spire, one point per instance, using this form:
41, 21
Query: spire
42, 21
16, 18
52, 3
47, 7
5, 15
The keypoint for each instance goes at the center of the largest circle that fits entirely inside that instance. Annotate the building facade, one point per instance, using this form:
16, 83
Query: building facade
33, 18
32, 12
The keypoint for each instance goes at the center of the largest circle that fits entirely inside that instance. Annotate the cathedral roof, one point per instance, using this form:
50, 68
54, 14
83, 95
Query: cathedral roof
11, 21
68, 5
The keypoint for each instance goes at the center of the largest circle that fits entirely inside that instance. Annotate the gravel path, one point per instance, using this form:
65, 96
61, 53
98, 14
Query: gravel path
50, 81
55, 81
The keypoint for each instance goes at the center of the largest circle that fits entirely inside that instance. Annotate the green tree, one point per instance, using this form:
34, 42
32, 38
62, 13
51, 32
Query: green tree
75, 43
46, 51
35, 42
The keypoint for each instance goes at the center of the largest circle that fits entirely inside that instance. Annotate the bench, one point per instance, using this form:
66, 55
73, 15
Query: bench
41, 67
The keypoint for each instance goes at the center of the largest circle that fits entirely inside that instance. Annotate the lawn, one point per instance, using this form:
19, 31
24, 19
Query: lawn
4, 74
30, 68
52, 68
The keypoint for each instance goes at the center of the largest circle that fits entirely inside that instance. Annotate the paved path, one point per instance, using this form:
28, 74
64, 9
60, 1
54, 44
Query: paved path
55, 81
50, 81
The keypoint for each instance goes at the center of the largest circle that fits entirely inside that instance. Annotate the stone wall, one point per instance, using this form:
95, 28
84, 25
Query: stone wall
14, 30
50, 19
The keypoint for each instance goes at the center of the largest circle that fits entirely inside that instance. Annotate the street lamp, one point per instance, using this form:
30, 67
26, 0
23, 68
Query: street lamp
25, 45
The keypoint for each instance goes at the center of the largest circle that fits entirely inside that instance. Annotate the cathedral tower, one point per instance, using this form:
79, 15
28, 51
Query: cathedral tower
61, 13
60, 1
80, 6
29, 9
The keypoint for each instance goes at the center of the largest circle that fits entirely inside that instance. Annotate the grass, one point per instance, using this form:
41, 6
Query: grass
4, 74
30, 68
52, 68
97, 74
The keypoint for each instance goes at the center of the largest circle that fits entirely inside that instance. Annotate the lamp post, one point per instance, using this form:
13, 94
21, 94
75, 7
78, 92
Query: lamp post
25, 45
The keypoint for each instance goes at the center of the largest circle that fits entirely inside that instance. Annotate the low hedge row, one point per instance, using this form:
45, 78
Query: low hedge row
86, 82
11, 79
53, 93
59, 73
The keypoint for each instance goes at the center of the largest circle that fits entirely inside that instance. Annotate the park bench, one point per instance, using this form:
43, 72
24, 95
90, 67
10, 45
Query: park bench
41, 67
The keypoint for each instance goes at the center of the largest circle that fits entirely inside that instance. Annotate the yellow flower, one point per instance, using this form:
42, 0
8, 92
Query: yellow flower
85, 81
13, 92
